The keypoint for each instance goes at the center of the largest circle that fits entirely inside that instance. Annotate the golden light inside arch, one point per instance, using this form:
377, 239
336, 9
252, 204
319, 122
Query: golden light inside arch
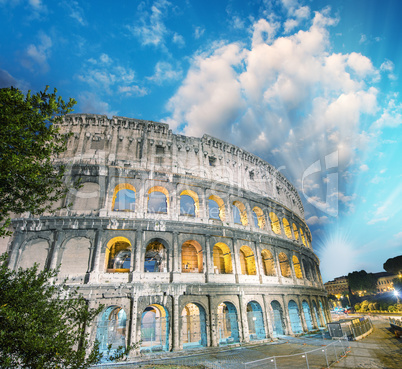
260, 217
221, 205
243, 212
119, 187
275, 225
194, 196
286, 227
162, 190
112, 242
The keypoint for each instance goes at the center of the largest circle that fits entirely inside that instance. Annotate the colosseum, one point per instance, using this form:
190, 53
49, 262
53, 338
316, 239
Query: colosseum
187, 242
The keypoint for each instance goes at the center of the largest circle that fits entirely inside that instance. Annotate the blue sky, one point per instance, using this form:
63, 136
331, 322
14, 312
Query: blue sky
313, 87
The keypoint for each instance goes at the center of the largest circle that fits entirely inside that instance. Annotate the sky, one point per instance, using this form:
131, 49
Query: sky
312, 87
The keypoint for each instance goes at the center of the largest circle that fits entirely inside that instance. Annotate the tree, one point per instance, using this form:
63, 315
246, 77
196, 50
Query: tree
362, 281
29, 142
394, 265
42, 325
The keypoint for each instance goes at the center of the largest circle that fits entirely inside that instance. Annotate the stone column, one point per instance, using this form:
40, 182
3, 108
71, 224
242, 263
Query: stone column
292, 269
176, 253
14, 254
176, 325
257, 258
138, 250
278, 265
133, 337
236, 261
243, 319
213, 329
302, 317
288, 326
96, 269
267, 317
209, 268
54, 250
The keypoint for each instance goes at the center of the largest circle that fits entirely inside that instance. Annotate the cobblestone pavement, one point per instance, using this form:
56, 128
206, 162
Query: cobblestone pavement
381, 349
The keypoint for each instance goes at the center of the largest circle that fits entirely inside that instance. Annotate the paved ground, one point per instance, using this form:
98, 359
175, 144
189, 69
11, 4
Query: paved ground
381, 349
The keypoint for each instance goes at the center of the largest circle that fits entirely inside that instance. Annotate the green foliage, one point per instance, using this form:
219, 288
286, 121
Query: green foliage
29, 142
393, 265
42, 325
357, 307
362, 281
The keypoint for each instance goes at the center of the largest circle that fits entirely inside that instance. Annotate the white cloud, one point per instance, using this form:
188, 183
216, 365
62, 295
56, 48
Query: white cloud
75, 11
90, 103
237, 22
151, 29
164, 72
198, 32
133, 90
391, 116
178, 39
36, 55
313, 220
364, 167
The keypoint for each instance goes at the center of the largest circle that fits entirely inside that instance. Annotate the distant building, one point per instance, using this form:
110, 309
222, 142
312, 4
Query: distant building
337, 286
384, 282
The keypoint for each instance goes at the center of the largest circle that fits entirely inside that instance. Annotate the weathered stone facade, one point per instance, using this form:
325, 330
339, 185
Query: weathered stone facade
188, 242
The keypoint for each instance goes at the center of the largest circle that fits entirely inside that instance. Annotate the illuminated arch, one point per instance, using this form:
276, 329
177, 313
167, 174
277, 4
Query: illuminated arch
259, 214
275, 225
191, 257
255, 319
118, 255
155, 328
111, 329
194, 206
247, 261
155, 257
297, 267
284, 264
268, 262
243, 212
193, 326
302, 237
221, 207
295, 232
158, 203
222, 259
227, 322
131, 192
286, 228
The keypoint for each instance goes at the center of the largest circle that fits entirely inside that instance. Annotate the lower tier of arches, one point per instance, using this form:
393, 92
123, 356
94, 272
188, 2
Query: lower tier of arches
165, 322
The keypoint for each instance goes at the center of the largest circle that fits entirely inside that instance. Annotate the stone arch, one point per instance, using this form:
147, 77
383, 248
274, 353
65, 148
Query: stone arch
86, 199
295, 232
158, 200
285, 265
302, 237
307, 315
247, 261
191, 257
75, 257
118, 255
278, 324
259, 218
242, 212
155, 328
156, 256
193, 326
34, 251
123, 197
189, 203
322, 312
296, 267
268, 262
216, 211
227, 323
286, 228
111, 329
294, 317
315, 312
255, 319
275, 224
222, 259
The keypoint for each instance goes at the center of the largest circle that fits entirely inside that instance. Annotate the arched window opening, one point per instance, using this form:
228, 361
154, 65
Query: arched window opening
222, 259
275, 225
286, 227
193, 327
247, 261
307, 315
296, 266
295, 232
239, 213
259, 219
294, 317
155, 258
111, 329
307, 270
268, 262
277, 321
216, 208
155, 329
158, 200
118, 255
228, 328
189, 203
255, 319
191, 257
123, 197
285, 266
302, 237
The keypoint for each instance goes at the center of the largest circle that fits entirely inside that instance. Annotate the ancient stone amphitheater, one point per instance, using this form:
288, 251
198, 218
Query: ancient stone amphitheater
188, 242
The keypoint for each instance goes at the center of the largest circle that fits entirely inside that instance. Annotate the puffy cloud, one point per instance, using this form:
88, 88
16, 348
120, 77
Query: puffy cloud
178, 39
315, 220
391, 116
364, 167
198, 32
90, 102
36, 55
164, 72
